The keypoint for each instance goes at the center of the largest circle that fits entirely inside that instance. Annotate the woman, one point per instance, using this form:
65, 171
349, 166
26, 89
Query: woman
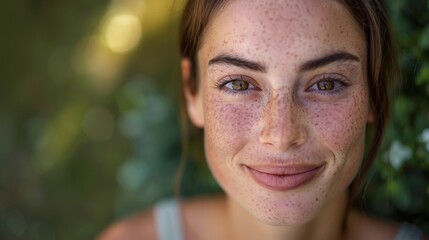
284, 91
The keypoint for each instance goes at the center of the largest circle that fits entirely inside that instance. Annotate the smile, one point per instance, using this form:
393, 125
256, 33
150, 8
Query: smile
283, 178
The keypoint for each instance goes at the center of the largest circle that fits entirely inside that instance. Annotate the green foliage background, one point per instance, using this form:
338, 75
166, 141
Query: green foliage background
84, 142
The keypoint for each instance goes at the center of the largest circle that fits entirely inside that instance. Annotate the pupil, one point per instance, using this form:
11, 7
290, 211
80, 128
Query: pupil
240, 85
325, 85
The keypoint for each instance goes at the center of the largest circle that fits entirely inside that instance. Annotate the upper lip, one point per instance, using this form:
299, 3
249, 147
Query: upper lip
285, 169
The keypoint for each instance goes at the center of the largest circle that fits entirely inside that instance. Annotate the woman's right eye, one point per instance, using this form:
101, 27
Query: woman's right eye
236, 85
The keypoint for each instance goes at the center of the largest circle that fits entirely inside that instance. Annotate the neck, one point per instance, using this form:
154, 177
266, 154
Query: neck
327, 225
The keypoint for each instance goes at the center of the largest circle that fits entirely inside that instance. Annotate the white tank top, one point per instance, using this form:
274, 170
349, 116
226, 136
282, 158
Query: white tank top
168, 220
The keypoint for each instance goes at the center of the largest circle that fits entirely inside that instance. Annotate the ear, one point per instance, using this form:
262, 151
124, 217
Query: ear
194, 102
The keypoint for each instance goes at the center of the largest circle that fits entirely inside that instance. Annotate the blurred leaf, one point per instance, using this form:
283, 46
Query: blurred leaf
424, 39
423, 75
400, 195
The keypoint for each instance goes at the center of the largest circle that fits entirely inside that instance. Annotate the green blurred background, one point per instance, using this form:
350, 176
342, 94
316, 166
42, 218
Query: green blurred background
90, 117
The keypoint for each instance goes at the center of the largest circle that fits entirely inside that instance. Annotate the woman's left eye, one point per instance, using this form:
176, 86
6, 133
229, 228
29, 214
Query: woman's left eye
328, 86
238, 85
325, 85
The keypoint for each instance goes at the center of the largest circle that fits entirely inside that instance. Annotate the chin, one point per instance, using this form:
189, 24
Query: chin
294, 209
295, 215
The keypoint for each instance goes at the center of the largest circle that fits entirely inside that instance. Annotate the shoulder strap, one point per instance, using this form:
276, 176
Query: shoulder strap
168, 221
409, 231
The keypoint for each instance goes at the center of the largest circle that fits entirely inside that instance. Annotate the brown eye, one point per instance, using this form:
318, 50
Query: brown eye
239, 85
326, 85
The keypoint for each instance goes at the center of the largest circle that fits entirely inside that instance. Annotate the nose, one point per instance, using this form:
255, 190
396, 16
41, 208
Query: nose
283, 123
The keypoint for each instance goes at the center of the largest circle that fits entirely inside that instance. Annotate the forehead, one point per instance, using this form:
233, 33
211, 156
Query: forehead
270, 29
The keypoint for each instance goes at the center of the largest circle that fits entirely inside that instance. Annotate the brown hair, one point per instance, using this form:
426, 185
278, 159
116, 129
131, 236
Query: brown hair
382, 74
382, 67
195, 18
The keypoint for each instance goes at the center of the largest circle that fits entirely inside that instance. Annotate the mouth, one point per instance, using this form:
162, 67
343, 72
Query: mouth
283, 178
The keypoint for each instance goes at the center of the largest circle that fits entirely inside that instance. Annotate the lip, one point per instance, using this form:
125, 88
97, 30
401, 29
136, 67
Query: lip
283, 178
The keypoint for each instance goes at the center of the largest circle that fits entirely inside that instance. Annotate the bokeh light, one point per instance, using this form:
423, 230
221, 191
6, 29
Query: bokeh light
123, 32
97, 63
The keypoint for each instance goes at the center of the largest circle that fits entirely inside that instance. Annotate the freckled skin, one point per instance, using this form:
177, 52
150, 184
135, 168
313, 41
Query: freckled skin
282, 121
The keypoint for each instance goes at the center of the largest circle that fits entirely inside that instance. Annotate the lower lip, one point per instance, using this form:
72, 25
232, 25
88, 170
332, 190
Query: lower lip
283, 182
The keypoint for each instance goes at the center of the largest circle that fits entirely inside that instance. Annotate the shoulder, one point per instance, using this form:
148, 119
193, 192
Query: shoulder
363, 226
194, 224
136, 227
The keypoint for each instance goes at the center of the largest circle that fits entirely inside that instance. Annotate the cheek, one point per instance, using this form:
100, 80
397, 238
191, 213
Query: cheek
228, 128
229, 125
342, 125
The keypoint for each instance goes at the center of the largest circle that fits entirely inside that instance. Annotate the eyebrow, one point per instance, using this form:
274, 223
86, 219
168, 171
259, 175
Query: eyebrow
307, 66
328, 59
238, 62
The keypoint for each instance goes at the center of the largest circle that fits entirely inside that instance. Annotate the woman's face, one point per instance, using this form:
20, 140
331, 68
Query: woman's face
283, 101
